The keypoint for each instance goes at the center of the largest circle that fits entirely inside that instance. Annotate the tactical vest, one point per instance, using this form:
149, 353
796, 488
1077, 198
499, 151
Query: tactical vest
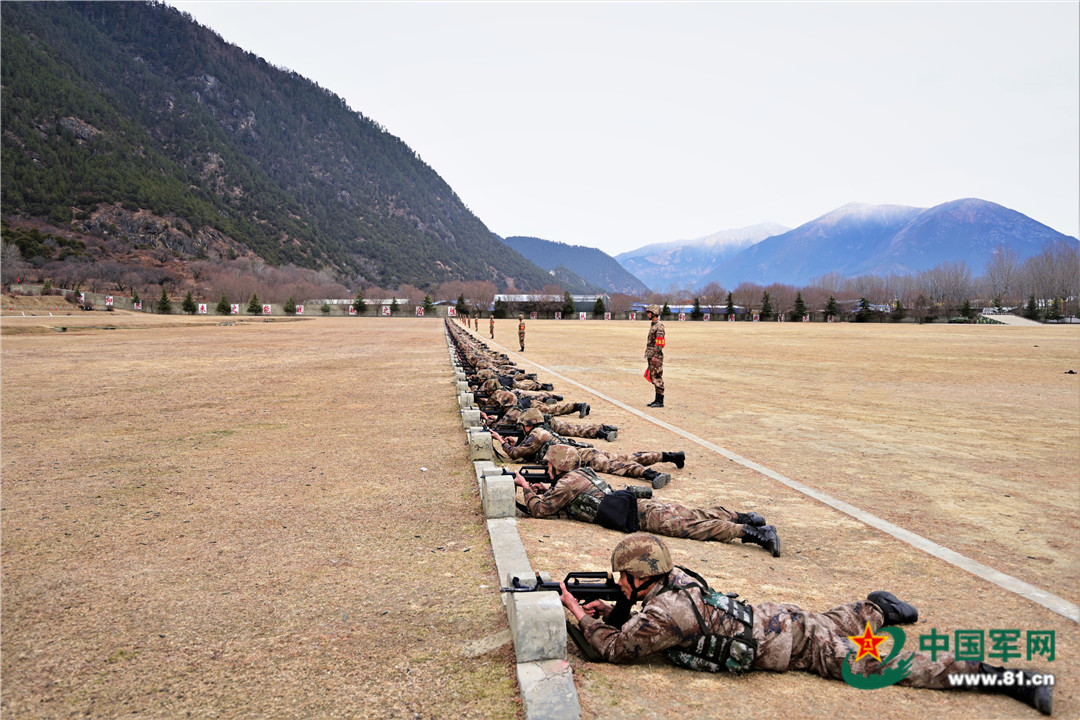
712, 652
585, 506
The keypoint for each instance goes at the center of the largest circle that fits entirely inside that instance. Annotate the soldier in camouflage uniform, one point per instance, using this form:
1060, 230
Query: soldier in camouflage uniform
537, 440
521, 332
579, 493
654, 354
680, 615
491, 326
502, 408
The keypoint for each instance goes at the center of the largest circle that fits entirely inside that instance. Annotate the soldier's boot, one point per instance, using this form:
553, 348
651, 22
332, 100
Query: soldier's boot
658, 402
750, 518
1018, 685
895, 610
547, 386
679, 458
658, 479
765, 536
530, 376
609, 432
582, 408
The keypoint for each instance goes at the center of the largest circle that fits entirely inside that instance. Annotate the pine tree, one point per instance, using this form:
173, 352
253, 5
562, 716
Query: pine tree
966, 311
766, 306
223, 307
665, 311
831, 308
462, 308
135, 296
502, 310
730, 310
164, 306
325, 309
394, 307
696, 313
358, 303
1057, 310
254, 307
898, 312
863, 313
1031, 312
598, 308
429, 306
290, 306
800, 308
568, 307
188, 305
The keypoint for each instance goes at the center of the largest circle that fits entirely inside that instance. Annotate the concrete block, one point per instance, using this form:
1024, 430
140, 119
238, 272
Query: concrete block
538, 626
459, 376
510, 558
481, 467
466, 400
470, 418
480, 445
547, 690
462, 386
498, 493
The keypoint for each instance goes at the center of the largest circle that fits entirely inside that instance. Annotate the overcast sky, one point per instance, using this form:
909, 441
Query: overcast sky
615, 125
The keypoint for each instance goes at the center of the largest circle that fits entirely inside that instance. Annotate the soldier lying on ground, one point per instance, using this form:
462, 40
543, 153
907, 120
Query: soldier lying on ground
582, 495
684, 618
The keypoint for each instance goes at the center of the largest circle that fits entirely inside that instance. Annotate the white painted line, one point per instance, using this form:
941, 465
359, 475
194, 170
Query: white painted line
1042, 597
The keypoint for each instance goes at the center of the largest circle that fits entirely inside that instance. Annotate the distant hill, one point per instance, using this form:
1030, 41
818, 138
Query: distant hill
128, 121
859, 239
598, 268
660, 265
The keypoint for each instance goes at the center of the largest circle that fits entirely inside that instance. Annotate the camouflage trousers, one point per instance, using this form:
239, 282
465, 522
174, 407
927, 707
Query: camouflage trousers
818, 643
577, 430
558, 408
656, 373
675, 520
632, 465
521, 338
528, 385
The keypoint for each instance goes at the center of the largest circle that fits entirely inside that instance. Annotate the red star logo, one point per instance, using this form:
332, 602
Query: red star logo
868, 643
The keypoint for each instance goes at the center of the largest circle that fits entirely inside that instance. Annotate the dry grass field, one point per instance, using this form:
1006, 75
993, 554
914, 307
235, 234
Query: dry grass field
233, 521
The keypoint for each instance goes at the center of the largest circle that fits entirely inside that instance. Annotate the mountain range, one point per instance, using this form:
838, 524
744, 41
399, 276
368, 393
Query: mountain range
130, 120
859, 239
596, 267
129, 125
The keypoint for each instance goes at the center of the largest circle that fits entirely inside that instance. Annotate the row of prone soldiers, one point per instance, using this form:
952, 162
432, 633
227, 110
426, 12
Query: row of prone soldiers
693, 625
528, 426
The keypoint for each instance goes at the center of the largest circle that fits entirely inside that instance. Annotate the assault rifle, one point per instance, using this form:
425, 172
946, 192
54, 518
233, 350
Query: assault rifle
585, 586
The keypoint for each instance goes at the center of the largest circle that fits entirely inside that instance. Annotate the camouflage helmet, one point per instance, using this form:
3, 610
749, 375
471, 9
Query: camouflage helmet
532, 416
563, 458
521, 317
641, 555
505, 398
490, 386
485, 373
654, 309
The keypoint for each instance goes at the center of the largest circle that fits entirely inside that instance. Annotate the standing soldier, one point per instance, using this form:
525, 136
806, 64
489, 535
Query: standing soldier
654, 354
521, 332
491, 326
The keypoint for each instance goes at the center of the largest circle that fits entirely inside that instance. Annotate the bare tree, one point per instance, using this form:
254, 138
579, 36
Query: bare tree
713, 296
746, 294
620, 303
1003, 276
781, 297
11, 263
